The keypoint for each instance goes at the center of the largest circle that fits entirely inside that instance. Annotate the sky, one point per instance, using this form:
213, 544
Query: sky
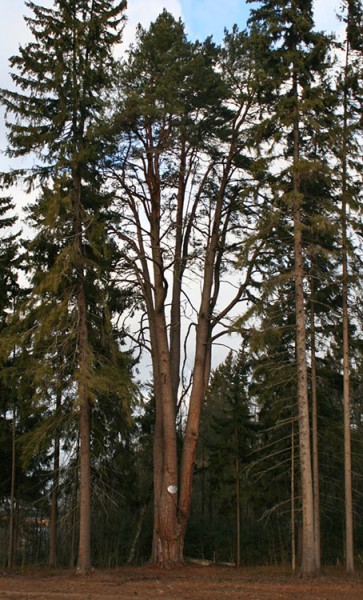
201, 18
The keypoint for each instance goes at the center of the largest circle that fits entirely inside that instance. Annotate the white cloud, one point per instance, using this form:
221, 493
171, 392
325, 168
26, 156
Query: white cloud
146, 11
325, 15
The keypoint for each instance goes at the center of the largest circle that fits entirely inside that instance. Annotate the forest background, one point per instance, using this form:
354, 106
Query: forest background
249, 500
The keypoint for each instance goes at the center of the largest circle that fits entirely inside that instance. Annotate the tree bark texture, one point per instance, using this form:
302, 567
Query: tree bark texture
166, 549
315, 440
136, 539
84, 548
238, 512
349, 544
11, 546
84, 372
53, 521
308, 566
293, 528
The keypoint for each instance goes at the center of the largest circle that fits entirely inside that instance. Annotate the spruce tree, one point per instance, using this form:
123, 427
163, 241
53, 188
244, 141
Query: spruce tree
348, 151
294, 57
228, 433
8, 260
8, 298
63, 77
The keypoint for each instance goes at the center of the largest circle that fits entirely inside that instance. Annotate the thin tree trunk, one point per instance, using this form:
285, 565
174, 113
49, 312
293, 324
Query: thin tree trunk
308, 567
156, 552
175, 310
84, 548
135, 541
349, 545
16, 530
199, 388
293, 536
11, 548
202, 367
203, 500
74, 510
315, 436
52, 558
238, 513
158, 461
78, 130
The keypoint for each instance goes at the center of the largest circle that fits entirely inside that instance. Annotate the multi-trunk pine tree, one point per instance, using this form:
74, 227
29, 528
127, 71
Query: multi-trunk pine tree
294, 57
182, 172
63, 77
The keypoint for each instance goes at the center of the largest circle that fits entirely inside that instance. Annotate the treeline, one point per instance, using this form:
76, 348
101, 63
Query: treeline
180, 194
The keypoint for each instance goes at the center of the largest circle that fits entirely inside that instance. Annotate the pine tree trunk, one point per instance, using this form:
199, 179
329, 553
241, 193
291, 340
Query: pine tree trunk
136, 539
11, 547
238, 513
175, 316
315, 438
308, 567
202, 367
84, 548
166, 549
171, 511
157, 477
74, 511
293, 536
52, 557
349, 545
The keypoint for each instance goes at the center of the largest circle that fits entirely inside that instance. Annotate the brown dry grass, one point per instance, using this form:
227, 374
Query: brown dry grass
189, 583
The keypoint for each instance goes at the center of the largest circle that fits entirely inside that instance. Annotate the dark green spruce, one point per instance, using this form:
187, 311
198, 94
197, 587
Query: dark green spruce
349, 148
295, 60
63, 78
